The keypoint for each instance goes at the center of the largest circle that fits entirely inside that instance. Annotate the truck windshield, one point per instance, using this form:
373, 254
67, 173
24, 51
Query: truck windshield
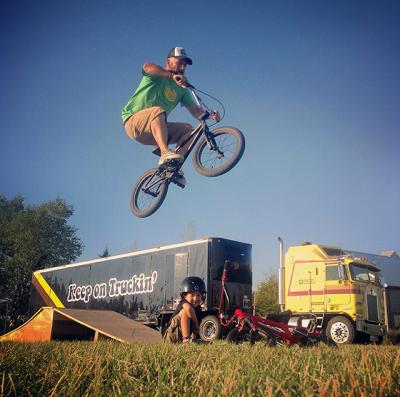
364, 273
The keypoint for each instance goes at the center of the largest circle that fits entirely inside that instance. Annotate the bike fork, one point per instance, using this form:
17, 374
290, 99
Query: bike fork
213, 145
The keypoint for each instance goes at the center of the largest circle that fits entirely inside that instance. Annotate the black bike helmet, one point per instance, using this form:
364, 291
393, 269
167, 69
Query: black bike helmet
193, 284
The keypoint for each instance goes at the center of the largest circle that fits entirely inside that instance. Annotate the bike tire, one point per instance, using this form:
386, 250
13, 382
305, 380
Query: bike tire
246, 336
144, 204
236, 337
230, 142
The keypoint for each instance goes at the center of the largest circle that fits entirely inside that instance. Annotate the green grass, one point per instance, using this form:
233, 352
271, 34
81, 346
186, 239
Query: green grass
110, 368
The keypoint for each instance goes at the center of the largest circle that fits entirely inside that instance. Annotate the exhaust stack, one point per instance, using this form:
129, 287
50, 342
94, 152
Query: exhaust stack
281, 276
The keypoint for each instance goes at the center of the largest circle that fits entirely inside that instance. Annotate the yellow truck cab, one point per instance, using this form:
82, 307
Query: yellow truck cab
344, 293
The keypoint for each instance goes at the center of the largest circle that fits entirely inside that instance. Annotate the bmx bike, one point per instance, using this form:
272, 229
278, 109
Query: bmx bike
215, 152
274, 329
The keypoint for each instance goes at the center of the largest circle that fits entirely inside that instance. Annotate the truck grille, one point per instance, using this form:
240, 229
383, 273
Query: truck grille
372, 305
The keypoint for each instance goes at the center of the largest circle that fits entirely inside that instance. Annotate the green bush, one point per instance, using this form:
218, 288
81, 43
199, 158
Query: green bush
266, 296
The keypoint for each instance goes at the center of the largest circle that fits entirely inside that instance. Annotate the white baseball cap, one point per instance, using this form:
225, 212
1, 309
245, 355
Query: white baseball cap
179, 52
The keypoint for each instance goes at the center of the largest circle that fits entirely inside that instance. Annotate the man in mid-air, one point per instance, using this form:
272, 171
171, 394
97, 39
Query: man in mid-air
161, 89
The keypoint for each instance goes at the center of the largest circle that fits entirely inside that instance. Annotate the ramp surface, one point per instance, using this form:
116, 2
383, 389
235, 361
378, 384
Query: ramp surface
112, 325
36, 329
74, 324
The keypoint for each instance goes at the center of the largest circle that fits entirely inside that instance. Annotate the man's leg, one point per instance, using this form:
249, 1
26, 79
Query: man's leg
160, 132
149, 127
178, 133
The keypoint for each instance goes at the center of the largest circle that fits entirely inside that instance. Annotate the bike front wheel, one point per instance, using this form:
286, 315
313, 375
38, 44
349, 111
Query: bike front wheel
149, 193
221, 154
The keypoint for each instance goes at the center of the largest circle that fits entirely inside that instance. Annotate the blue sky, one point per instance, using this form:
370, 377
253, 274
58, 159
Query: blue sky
313, 85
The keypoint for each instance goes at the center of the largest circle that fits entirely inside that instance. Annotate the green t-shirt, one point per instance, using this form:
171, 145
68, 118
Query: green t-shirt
156, 91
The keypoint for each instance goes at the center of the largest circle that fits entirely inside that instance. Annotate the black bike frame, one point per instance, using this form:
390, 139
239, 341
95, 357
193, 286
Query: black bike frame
195, 135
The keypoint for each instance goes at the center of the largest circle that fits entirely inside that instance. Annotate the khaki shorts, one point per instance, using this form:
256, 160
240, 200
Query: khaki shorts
138, 127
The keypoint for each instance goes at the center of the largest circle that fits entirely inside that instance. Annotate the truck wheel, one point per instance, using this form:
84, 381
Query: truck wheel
210, 328
340, 330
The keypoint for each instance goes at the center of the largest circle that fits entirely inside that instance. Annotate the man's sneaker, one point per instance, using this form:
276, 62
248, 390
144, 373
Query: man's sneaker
169, 156
179, 179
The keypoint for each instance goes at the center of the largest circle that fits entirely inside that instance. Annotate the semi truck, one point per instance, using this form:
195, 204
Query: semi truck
145, 285
344, 293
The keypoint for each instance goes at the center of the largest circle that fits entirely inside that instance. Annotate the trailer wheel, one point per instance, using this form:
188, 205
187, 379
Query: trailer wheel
210, 328
341, 330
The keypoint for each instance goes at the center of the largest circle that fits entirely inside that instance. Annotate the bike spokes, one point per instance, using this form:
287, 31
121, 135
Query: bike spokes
149, 193
221, 151
147, 197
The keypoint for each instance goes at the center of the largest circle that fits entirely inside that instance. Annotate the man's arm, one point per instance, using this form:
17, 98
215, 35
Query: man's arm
156, 70
196, 112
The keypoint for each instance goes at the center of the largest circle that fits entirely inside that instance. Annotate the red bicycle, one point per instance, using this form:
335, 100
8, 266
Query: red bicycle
275, 329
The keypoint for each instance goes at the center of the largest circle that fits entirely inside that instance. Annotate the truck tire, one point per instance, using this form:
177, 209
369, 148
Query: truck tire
210, 328
340, 330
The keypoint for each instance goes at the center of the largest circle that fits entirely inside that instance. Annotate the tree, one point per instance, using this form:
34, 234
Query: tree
32, 238
266, 295
105, 253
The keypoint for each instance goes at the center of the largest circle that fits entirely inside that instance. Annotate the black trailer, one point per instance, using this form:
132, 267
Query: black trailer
392, 307
145, 285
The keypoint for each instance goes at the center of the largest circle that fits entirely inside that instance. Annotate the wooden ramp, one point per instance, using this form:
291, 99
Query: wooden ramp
50, 323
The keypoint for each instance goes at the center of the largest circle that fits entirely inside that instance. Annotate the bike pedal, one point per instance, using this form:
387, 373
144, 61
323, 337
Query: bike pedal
181, 185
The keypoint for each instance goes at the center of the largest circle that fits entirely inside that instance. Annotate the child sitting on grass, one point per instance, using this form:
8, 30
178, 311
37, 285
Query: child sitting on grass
183, 326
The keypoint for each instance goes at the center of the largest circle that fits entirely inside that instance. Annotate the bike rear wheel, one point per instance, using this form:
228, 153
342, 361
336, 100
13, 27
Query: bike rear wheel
149, 193
228, 145
236, 337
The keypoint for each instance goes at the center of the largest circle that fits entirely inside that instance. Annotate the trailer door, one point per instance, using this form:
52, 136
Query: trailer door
181, 264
